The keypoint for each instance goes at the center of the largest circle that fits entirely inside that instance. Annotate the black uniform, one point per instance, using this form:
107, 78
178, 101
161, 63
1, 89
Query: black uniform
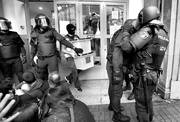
44, 46
73, 76
114, 67
150, 44
10, 50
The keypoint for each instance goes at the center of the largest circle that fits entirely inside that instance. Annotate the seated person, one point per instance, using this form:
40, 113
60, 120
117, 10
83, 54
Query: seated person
29, 113
63, 107
69, 55
33, 88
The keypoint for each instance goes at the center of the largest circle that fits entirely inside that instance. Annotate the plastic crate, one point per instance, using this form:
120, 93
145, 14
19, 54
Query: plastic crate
85, 44
84, 62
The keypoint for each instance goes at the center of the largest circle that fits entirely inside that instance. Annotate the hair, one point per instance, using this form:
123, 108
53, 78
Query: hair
70, 26
29, 113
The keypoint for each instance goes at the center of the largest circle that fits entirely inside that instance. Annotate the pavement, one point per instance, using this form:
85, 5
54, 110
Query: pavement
164, 111
95, 95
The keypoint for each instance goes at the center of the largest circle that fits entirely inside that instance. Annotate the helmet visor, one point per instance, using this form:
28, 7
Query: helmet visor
42, 21
3, 25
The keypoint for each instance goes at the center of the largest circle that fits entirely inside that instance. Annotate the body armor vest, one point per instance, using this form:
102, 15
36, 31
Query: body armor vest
9, 48
46, 44
153, 53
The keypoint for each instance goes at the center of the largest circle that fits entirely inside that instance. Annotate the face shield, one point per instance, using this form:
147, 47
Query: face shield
3, 25
42, 21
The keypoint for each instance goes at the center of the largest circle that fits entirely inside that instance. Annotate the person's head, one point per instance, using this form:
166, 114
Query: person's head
29, 113
71, 29
148, 14
42, 21
5, 25
54, 79
29, 77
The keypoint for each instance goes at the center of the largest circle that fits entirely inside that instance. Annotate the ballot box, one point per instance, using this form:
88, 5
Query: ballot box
84, 43
85, 61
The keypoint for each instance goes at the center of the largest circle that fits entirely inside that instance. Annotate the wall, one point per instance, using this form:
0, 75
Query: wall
134, 8
14, 11
48, 8
1, 9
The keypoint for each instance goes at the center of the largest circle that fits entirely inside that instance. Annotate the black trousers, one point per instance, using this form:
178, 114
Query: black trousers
46, 65
139, 93
11, 66
114, 91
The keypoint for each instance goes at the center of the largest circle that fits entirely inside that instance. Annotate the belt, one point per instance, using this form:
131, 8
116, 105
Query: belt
43, 57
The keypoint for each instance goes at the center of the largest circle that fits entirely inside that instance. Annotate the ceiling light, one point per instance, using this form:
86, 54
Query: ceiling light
40, 8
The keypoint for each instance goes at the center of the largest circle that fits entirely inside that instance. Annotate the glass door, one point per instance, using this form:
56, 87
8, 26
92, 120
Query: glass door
96, 20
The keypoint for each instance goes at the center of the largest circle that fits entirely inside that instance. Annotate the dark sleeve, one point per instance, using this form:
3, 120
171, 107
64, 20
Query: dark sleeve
136, 41
61, 39
19, 41
33, 43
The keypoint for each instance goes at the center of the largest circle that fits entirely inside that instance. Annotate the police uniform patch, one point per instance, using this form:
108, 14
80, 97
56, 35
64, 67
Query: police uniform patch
145, 35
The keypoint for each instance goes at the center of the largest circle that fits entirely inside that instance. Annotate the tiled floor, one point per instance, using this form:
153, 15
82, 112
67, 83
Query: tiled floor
94, 94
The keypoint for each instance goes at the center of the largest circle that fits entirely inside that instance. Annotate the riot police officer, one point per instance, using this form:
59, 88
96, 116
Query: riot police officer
148, 44
116, 60
43, 43
12, 51
69, 55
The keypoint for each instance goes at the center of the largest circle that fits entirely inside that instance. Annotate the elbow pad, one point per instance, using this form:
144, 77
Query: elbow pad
141, 38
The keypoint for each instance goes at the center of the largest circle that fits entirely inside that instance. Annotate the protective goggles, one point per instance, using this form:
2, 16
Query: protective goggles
42, 21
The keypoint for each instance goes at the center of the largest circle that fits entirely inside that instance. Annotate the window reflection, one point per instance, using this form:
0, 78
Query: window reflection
91, 19
66, 15
115, 18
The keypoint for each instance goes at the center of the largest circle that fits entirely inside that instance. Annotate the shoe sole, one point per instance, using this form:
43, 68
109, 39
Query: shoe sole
119, 120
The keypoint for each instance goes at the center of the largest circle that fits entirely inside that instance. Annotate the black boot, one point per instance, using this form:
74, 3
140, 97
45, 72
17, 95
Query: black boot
131, 96
127, 87
119, 117
111, 109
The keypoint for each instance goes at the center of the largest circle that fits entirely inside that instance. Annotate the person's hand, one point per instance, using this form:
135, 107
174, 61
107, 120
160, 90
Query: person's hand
78, 50
4, 108
129, 25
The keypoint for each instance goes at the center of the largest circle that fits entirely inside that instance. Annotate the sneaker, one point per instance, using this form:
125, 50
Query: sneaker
131, 96
111, 109
119, 117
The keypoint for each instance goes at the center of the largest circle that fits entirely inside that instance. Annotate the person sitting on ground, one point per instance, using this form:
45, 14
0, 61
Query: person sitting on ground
63, 107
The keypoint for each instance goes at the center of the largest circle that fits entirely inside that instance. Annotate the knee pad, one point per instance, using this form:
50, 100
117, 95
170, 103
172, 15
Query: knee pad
117, 77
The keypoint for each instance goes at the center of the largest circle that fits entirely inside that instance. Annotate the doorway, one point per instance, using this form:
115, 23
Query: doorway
95, 20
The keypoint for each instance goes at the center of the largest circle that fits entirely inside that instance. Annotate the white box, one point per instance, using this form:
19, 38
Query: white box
85, 44
84, 62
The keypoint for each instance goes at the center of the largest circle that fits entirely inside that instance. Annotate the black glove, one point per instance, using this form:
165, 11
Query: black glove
129, 26
78, 50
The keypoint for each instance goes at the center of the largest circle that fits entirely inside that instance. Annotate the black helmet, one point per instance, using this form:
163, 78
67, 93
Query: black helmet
71, 28
42, 20
5, 25
147, 14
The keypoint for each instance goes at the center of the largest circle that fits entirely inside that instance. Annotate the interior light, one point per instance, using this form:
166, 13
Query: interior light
59, 8
40, 8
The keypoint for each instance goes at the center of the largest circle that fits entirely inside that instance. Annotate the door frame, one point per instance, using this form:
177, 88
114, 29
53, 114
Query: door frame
91, 73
